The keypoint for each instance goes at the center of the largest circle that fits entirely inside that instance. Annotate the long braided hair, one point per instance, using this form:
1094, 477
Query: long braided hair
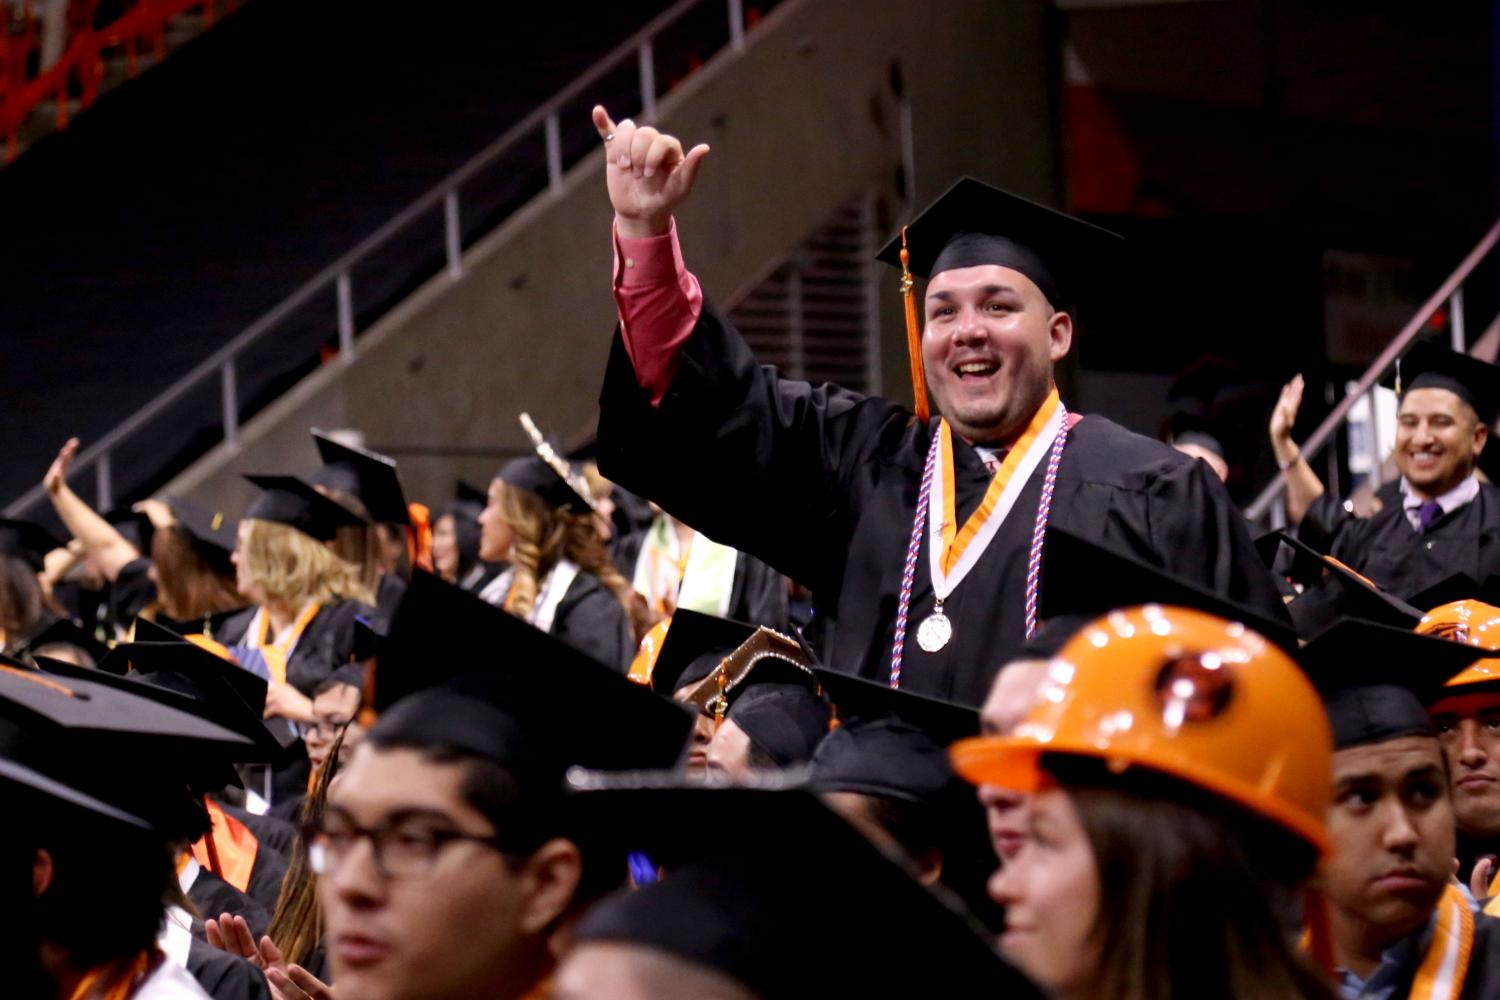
544, 535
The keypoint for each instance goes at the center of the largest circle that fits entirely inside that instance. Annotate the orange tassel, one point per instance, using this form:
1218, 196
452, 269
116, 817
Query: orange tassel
913, 335
419, 537
1318, 933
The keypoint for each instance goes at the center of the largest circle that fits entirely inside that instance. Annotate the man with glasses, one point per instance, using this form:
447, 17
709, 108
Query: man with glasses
448, 862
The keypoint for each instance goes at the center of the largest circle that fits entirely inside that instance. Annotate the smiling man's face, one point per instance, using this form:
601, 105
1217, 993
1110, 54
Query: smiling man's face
990, 341
1438, 440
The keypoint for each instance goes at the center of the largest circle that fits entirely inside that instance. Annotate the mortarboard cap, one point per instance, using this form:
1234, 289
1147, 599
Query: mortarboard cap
470, 494
444, 637
369, 639
737, 901
1345, 594
288, 500
65, 631
1428, 366
211, 532
134, 526
973, 223
1376, 680
548, 474
1458, 587
856, 699
26, 541
1084, 579
366, 475
695, 645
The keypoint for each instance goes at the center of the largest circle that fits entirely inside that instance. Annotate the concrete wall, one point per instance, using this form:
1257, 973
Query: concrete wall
799, 121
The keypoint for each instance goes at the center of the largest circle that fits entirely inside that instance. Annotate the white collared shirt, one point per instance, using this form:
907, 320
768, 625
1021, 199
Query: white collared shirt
1463, 493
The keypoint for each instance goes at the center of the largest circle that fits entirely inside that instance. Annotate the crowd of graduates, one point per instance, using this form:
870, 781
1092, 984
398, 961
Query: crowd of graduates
772, 690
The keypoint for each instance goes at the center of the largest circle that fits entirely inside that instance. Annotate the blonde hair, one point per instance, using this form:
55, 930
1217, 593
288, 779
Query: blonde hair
357, 544
543, 536
295, 568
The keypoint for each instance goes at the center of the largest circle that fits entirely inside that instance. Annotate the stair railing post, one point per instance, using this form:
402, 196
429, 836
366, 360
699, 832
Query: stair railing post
553, 131
1377, 460
736, 24
229, 396
648, 82
452, 236
1459, 341
346, 317
104, 493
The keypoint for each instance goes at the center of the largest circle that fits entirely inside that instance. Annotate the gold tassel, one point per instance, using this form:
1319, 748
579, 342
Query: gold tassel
913, 334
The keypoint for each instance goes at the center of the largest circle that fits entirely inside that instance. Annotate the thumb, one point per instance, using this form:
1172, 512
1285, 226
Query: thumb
691, 162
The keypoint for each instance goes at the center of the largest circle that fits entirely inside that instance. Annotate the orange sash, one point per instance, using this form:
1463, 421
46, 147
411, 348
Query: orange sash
955, 539
277, 653
117, 986
229, 849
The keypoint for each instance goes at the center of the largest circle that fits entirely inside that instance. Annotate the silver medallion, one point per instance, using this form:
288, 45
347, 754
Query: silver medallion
934, 632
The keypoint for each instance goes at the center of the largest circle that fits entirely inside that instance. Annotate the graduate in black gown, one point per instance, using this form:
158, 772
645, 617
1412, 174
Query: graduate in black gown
823, 483
560, 578
370, 478
1444, 520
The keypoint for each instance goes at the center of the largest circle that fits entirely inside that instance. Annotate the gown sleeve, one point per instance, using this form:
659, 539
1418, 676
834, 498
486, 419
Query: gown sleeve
759, 462
592, 621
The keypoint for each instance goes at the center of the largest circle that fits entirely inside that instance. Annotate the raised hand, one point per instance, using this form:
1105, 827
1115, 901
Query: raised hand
232, 934
57, 475
1284, 416
647, 172
296, 983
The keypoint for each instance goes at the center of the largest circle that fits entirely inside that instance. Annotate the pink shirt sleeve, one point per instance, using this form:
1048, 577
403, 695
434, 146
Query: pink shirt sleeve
658, 302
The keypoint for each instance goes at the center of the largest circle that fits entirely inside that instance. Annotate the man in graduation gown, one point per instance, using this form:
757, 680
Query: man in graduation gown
824, 484
1401, 925
1443, 520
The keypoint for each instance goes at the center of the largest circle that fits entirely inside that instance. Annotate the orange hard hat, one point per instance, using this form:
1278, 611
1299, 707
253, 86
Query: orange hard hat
1473, 623
644, 663
1184, 693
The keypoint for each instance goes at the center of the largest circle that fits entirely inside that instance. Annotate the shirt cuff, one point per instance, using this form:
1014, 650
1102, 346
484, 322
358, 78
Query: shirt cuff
648, 261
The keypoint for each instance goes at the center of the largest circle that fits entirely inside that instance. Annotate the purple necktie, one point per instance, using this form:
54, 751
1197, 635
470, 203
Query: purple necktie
1427, 513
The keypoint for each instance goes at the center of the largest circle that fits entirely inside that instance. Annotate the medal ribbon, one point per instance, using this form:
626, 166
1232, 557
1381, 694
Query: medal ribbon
1038, 531
279, 652
1446, 964
953, 550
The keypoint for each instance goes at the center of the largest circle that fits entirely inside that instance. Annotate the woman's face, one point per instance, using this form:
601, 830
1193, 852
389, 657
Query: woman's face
1050, 891
445, 548
495, 536
244, 580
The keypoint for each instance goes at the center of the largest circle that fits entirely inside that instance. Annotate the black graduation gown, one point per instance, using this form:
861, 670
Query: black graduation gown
212, 896
821, 483
326, 644
589, 618
224, 976
1388, 550
271, 831
758, 594
388, 594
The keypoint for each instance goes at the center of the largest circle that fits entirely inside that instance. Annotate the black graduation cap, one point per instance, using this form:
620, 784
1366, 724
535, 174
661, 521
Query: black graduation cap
737, 899
1084, 578
217, 689
696, 643
134, 526
784, 717
1351, 596
442, 636
1428, 366
31, 781
1376, 680
548, 473
470, 494
973, 223
1194, 428
212, 532
367, 475
27, 541
288, 500
1304, 567
65, 631
1458, 587
369, 639
857, 699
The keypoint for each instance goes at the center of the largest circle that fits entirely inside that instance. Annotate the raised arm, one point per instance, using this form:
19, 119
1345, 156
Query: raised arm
99, 538
1302, 484
648, 176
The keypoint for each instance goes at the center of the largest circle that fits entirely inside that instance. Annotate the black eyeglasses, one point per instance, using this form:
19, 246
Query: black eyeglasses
404, 848
324, 729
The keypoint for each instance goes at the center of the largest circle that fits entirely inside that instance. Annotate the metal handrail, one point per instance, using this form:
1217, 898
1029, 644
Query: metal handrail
1451, 291
338, 273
